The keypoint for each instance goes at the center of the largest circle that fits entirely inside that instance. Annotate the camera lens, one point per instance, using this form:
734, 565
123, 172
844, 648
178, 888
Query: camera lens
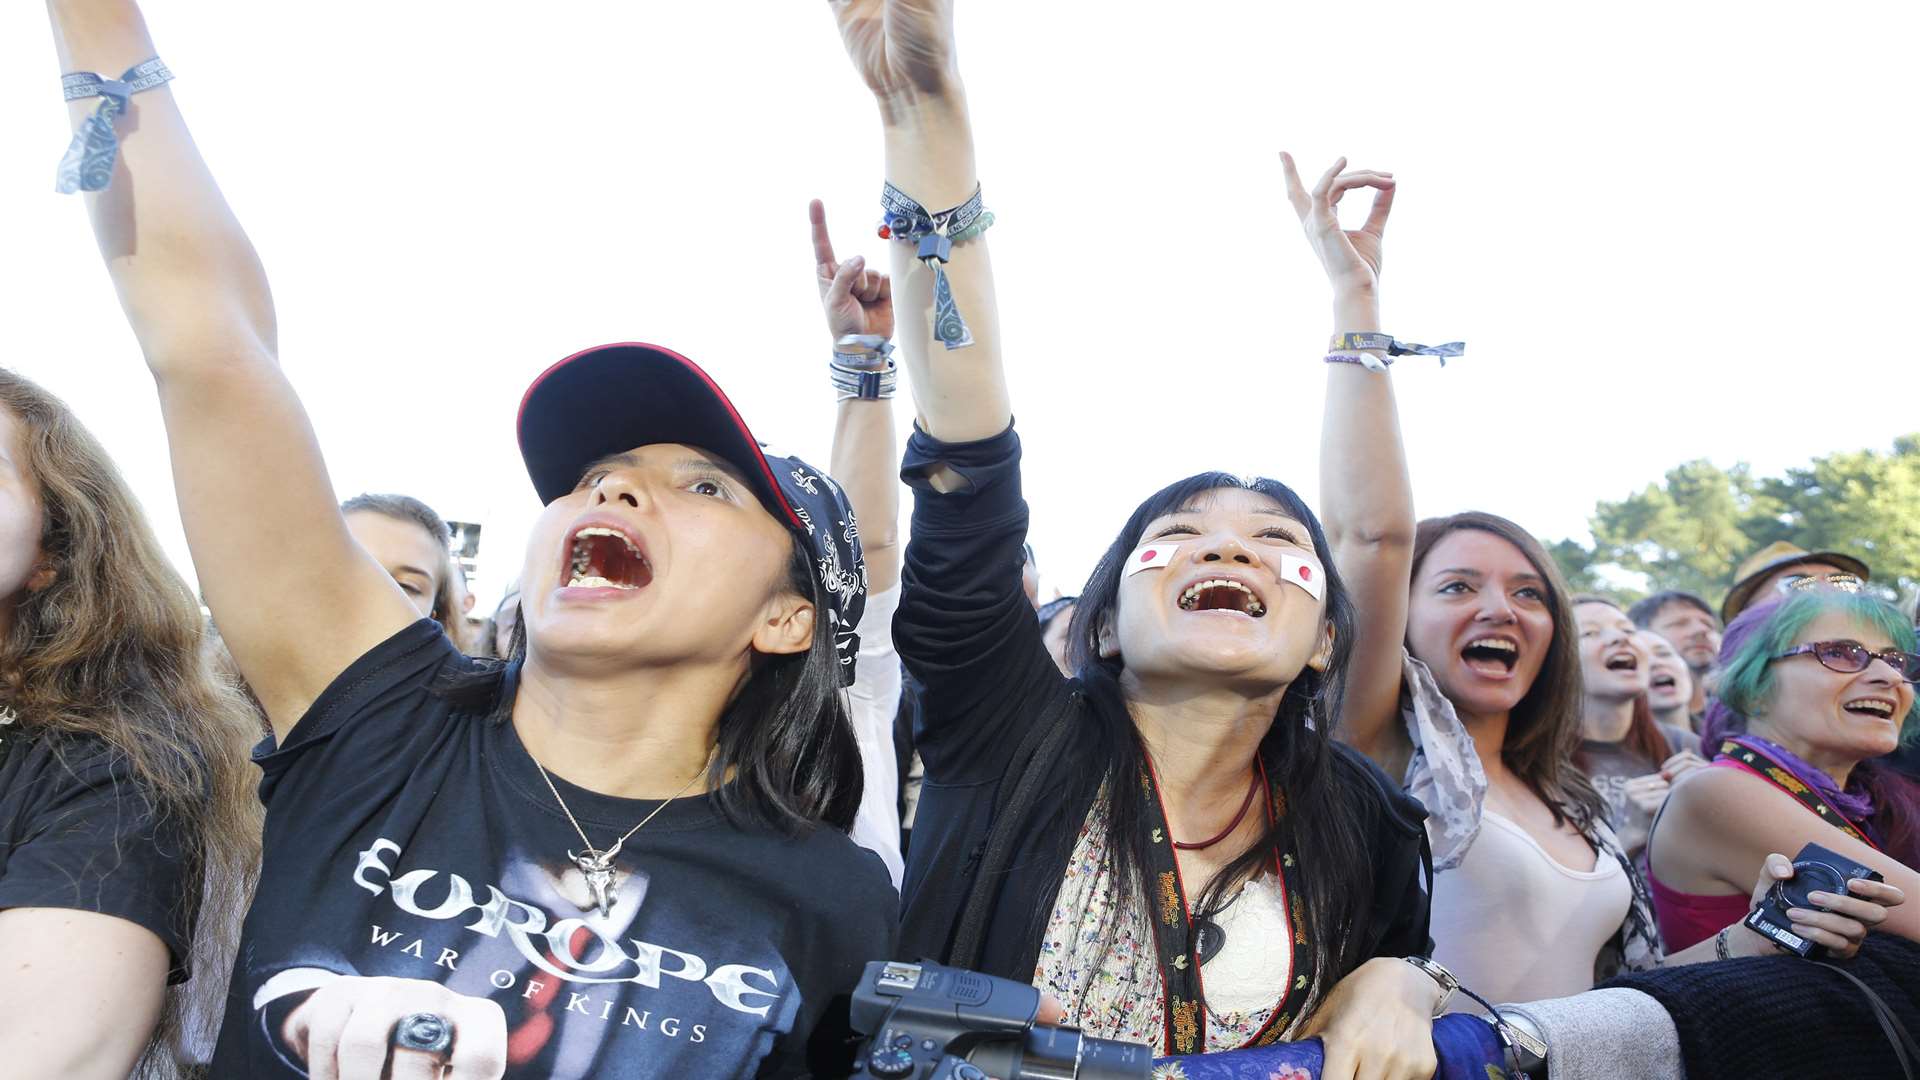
1810, 877
1103, 1059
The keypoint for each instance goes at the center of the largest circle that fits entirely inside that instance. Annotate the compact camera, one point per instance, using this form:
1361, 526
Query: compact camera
930, 1022
1815, 869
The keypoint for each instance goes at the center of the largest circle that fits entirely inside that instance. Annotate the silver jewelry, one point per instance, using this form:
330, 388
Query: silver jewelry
596, 865
1720, 944
429, 1033
1438, 973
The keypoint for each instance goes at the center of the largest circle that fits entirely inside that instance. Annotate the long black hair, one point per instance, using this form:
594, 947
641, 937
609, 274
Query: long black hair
786, 735
1320, 822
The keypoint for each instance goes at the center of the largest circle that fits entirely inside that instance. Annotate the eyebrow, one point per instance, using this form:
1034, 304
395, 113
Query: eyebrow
1272, 511
413, 570
1469, 572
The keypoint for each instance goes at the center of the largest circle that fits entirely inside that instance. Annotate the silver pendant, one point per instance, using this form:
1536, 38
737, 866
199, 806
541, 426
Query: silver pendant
597, 868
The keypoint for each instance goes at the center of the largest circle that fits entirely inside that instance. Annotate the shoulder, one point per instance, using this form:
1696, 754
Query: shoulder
1358, 780
412, 664
47, 770
825, 869
1718, 796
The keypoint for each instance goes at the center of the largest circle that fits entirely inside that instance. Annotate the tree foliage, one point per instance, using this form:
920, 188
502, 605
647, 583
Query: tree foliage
1694, 527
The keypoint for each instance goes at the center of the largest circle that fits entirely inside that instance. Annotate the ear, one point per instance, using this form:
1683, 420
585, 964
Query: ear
1323, 656
1108, 641
42, 577
787, 627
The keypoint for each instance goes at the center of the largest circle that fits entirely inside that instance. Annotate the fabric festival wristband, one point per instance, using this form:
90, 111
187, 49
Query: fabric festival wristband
1386, 342
934, 235
88, 162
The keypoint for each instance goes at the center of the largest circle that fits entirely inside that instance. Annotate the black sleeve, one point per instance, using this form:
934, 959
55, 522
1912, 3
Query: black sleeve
965, 628
91, 840
1400, 921
375, 705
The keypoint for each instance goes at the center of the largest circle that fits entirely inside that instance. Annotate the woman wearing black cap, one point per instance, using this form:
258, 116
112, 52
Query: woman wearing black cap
1170, 842
600, 858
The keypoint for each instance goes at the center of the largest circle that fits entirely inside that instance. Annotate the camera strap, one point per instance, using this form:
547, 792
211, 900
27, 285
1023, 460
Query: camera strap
1745, 756
1904, 1047
1183, 989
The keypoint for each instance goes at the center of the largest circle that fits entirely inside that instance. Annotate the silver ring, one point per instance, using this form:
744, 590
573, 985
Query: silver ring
429, 1033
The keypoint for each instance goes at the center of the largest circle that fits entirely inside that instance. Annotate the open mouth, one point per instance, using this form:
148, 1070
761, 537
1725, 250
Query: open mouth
1220, 594
603, 558
1623, 661
1491, 655
1664, 681
1876, 708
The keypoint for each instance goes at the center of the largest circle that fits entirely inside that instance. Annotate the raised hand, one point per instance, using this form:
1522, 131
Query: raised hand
857, 300
900, 48
1351, 256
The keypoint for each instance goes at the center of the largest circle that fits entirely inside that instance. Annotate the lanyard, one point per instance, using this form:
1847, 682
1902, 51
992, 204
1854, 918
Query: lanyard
1183, 989
1759, 763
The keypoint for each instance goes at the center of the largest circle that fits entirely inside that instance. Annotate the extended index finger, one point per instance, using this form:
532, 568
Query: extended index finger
1296, 191
822, 243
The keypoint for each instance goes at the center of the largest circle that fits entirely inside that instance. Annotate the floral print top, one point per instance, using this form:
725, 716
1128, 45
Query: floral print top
1116, 993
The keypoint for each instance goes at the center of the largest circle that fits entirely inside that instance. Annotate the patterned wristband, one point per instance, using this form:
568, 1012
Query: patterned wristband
1365, 360
88, 162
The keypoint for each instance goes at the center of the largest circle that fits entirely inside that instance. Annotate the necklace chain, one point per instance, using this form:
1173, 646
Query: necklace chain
643, 821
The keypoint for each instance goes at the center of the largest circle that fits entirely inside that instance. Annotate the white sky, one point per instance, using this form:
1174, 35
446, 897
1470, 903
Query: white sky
1666, 231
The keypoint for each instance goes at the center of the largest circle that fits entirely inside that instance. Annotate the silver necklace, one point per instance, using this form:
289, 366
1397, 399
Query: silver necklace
596, 865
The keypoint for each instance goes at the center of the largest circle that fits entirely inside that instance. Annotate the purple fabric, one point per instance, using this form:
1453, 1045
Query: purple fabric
1856, 804
1466, 1045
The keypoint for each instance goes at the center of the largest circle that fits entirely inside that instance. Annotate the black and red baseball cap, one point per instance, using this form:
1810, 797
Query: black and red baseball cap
611, 398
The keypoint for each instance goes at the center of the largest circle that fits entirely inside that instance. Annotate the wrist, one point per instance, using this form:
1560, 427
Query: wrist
1356, 311
916, 108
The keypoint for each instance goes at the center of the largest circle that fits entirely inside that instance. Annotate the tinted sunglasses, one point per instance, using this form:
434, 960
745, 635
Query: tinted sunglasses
1851, 657
1803, 582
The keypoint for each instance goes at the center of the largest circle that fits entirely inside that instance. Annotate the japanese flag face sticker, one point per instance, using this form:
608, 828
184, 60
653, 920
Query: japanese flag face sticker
1303, 572
1151, 555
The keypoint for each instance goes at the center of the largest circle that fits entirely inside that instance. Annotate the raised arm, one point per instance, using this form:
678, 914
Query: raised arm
295, 598
866, 456
904, 51
1366, 500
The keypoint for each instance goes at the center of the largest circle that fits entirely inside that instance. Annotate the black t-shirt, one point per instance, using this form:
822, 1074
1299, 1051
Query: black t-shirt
410, 838
968, 635
78, 832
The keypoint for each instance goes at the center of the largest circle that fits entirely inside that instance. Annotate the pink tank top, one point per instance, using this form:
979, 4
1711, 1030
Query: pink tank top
1686, 918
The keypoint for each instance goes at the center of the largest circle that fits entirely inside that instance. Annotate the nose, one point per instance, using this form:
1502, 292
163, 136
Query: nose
1227, 547
1494, 607
618, 487
1880, 671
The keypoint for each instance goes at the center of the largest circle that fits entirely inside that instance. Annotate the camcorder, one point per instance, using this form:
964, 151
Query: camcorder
1815, 869
926, 1021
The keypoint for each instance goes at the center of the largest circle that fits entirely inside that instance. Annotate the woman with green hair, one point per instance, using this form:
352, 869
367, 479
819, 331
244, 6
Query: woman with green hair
1814, 688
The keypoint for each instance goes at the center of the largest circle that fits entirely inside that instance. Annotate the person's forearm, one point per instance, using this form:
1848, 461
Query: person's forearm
960, 395
187, 276
1365, 494
866, 463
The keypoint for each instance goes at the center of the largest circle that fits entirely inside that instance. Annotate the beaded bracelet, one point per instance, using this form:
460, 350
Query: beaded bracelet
88, 163
934, 235
1365, 360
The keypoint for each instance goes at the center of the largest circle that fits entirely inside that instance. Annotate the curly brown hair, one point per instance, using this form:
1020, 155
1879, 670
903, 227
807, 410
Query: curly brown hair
113, 649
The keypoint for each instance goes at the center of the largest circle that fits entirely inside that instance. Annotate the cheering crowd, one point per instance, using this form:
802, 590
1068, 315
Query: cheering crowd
1286, 793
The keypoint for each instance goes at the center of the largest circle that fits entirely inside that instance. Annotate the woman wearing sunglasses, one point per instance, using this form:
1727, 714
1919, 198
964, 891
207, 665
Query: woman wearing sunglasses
1815, 687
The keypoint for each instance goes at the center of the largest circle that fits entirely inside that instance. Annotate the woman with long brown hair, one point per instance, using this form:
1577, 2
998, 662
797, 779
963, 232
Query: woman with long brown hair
128, 829
1466, 683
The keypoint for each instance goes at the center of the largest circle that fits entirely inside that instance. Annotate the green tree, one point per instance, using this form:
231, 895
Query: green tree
1693, 528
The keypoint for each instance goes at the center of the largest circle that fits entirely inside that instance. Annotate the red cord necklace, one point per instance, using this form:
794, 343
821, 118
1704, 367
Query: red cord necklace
1252, 786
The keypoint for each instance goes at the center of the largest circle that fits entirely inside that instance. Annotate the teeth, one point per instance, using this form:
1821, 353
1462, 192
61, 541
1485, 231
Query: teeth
1878, 708
1192, 596
1494, 643
593, 581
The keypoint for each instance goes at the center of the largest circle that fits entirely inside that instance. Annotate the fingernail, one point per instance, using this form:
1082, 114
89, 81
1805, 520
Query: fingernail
857, 262
1797, 914
1821, 897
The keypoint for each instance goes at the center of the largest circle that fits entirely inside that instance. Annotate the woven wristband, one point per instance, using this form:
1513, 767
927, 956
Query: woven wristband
88, 162
1387, 344
934, 235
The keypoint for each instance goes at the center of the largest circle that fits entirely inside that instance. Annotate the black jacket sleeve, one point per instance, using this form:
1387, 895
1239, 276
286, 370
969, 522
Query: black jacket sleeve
965, 629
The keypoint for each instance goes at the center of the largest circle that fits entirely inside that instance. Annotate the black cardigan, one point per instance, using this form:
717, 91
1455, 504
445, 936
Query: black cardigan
1782, 1016
989, 692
